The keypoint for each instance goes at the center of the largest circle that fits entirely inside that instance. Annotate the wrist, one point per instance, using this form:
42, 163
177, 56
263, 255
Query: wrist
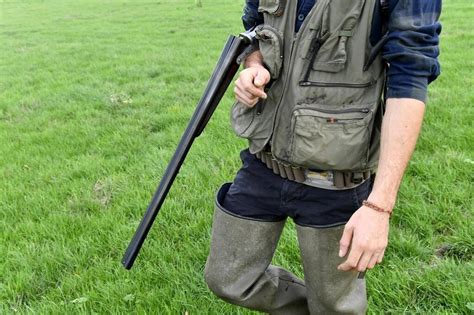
255, 59
384, 201
374, 207
254, 64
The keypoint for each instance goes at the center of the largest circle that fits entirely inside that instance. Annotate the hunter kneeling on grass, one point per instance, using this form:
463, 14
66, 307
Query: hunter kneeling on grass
332, 102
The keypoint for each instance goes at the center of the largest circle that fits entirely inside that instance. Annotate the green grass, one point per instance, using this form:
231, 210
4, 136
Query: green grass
94, 96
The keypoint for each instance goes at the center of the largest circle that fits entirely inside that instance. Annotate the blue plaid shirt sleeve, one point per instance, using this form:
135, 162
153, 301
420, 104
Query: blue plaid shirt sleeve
251, 15
412, 47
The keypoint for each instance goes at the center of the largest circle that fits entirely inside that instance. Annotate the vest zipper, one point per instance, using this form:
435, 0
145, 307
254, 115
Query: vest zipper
313, 51
342, 111
285, 82
295, 38
348, 85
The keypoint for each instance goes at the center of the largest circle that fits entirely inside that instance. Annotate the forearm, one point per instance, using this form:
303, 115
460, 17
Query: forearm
254, 59
400, 129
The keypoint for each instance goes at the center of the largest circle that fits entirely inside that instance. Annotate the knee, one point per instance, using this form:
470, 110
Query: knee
220, 284
213, 280
229, 284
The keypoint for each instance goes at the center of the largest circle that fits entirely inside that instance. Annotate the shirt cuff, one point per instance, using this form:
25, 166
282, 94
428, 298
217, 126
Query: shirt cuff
403, 86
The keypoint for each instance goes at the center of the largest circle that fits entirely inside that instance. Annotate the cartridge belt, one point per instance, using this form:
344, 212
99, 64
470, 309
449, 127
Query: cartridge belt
335, 180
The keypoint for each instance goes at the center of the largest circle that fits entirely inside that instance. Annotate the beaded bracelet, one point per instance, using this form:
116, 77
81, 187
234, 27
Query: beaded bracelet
375, 207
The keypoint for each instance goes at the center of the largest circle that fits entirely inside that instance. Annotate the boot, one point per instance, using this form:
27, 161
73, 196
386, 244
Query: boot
330, 291
238, 268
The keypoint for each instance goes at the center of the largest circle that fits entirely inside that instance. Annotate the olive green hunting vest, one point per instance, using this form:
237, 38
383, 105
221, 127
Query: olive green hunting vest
324, 105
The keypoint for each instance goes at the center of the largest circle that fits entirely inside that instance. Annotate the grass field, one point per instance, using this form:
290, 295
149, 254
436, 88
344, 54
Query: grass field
94, 96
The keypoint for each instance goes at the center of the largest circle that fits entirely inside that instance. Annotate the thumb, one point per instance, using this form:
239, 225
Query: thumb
261, 79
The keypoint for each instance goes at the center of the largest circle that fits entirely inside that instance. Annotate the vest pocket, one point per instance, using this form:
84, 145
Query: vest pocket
328, 139
273, 7
338, 24
270, 41
242, 118
332, 56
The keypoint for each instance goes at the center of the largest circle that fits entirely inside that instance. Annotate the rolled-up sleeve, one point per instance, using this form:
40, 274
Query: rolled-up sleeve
412, 47
251, 17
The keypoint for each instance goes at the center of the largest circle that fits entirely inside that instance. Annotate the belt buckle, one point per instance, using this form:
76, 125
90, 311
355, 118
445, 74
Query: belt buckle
318, 179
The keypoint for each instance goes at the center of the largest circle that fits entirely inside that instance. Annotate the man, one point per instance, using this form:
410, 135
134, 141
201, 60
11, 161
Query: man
334, 95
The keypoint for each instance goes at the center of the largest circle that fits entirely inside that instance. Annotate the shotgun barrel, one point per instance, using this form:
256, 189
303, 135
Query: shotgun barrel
223, 73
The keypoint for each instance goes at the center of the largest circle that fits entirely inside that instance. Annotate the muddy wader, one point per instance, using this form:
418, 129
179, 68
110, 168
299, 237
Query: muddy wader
313, 145
248, 220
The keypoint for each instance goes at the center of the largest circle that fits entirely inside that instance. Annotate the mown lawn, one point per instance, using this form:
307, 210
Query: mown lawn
94, 96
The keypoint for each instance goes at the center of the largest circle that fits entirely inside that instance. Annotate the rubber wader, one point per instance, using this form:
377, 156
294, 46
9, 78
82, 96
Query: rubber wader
238, 268
329, 290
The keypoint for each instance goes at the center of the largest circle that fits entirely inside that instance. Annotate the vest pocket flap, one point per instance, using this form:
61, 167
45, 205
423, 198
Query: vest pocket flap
332, 56
273, 7
248, 124
339, 22
329, 139
242, 118
271, 46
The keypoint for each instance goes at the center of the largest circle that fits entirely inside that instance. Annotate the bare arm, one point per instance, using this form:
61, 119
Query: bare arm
254, 59
401, 127
366, 234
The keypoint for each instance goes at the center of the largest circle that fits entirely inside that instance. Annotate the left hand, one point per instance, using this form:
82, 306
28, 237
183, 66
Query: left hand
365, 238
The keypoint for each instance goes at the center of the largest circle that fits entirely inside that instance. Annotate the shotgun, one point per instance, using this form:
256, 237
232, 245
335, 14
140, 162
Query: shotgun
235, 51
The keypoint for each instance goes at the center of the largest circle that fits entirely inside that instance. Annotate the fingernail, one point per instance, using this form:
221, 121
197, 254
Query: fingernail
340, 253
264, 96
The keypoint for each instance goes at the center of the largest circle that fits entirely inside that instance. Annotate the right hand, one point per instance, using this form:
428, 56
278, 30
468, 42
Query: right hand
250, 86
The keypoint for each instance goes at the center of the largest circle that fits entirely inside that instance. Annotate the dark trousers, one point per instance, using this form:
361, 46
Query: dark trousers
257, 193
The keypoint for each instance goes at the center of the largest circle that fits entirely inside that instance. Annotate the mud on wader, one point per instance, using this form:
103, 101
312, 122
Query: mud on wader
323, 112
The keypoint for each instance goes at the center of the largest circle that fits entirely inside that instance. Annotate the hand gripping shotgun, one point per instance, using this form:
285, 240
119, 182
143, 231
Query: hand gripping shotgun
235, 51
